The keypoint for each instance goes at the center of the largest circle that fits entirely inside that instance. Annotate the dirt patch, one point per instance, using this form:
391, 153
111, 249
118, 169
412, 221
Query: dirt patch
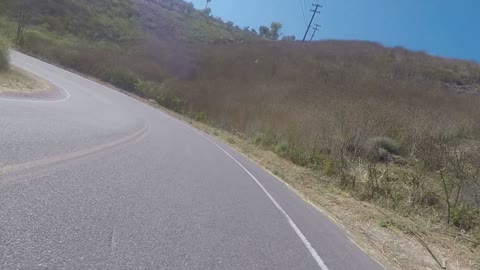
17, 80
18, 83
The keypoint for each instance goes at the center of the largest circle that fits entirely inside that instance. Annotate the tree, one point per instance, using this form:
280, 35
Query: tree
264, 31
207, 11
289, 38
254, 31
190, 8
275, 30
230, 24
24, 14
206, 5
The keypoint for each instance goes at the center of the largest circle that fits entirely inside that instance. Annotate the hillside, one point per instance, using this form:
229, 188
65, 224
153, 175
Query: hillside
392, 127
161, 38
126, 20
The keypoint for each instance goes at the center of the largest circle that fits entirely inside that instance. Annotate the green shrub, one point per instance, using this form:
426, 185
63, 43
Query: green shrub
329, 167
201, 117
4, 54
171, 102
380, 148
465, 217
123, 79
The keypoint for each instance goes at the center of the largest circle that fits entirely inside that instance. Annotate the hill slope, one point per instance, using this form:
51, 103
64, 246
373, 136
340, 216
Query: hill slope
157, 39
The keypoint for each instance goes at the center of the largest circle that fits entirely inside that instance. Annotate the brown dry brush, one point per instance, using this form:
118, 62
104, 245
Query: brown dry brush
332, 106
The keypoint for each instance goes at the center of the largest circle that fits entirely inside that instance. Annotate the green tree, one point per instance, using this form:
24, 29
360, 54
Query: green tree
264, 31
207, 11
275, 30
190, 8
206, 5
24, 14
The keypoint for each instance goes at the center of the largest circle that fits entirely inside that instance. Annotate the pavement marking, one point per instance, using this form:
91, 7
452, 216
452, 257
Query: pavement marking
292, 224
299, 233
67, 96
73, 155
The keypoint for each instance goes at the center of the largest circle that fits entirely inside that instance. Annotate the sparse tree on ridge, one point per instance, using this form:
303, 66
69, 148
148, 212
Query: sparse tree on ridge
264, 31
190, 8
275, 30
207, 12
206, 5
24, 14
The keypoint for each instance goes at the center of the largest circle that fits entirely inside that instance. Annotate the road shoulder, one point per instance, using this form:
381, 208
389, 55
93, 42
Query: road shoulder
18, 83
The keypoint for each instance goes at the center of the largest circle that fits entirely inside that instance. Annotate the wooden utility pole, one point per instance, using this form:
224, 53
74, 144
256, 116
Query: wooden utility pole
315, 29
315, 12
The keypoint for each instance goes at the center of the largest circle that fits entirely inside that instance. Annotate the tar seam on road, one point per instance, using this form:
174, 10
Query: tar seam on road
74, 155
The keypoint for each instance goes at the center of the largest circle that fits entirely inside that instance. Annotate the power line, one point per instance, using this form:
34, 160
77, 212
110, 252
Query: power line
303, 11
315, 12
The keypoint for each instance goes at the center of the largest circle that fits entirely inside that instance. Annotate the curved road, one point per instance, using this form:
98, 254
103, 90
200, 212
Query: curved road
98, 180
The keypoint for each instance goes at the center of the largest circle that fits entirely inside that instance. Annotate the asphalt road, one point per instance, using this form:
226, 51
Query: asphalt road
94, 179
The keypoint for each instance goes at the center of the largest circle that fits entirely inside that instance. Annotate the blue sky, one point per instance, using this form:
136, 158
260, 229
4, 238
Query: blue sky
439, 27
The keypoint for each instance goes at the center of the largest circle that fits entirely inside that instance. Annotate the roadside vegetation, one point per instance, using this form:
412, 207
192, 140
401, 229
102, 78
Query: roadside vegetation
14, 81
388, 125
4, 54
396, 129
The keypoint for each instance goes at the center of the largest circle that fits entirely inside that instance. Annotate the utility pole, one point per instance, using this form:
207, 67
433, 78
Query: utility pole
315, 12
315, 29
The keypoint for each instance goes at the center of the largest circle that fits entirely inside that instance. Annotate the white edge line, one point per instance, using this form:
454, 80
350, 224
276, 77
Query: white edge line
292, 224
67, 97
302, 237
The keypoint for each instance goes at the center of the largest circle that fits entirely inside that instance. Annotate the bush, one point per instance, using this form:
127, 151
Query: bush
465, 217
201, 117
4, 54
380, 148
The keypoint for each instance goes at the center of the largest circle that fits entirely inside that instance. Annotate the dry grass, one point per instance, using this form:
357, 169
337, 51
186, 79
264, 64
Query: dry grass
17, 81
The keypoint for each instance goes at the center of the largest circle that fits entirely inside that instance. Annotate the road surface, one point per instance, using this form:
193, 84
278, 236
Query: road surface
94, 179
